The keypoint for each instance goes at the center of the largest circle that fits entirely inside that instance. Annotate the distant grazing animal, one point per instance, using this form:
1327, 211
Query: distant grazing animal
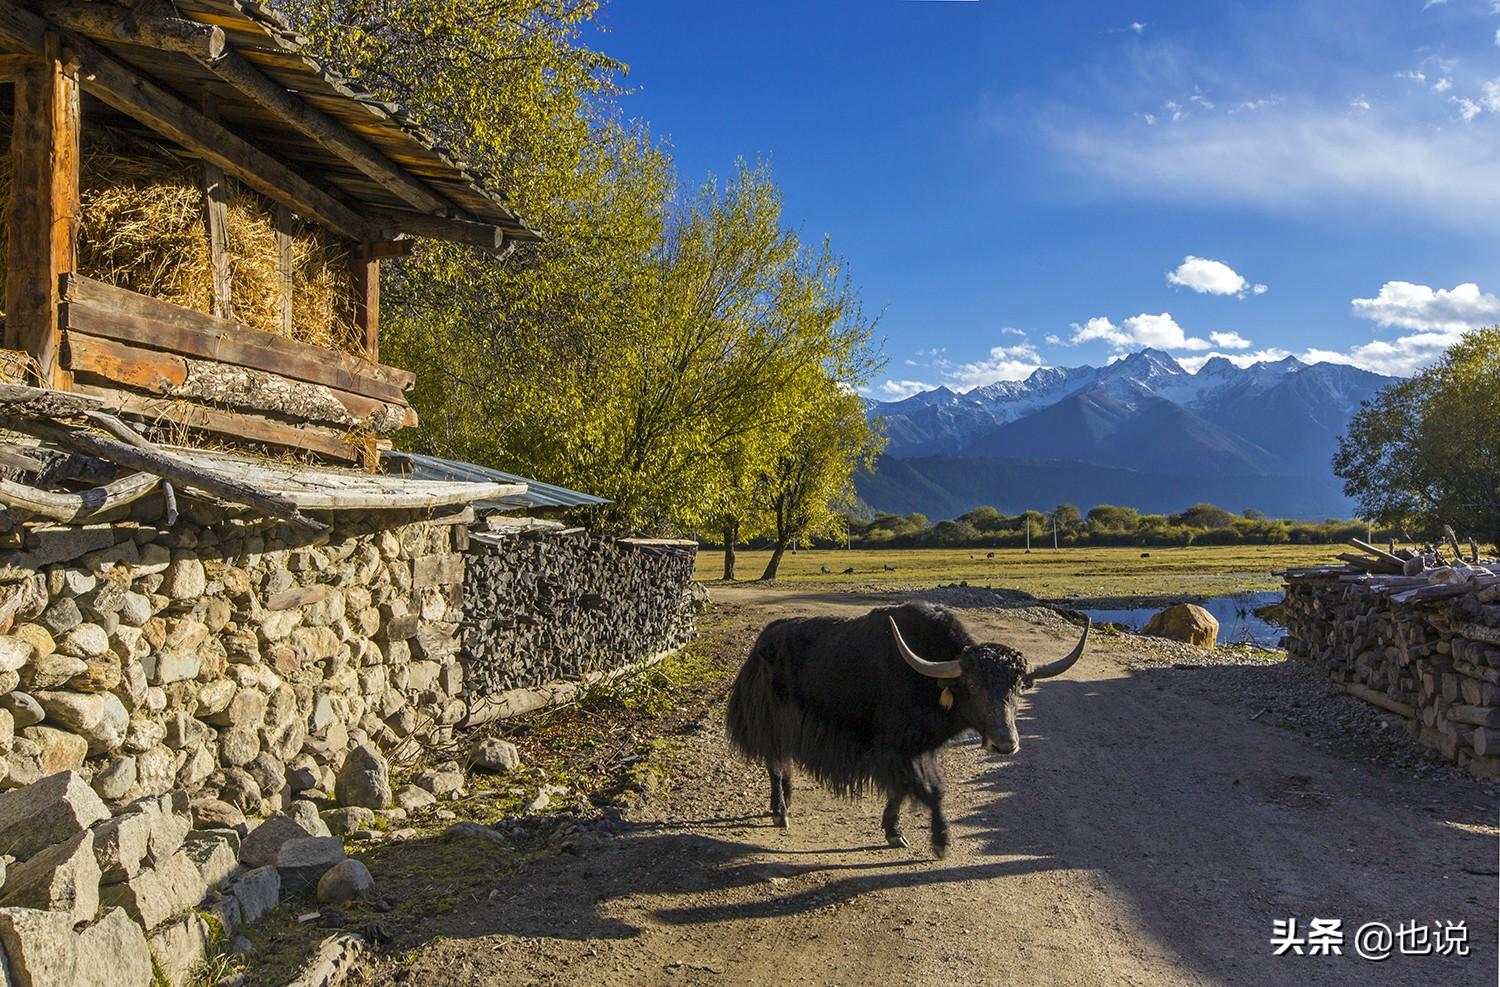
989, 555
1145, 555
888, 567
849, 571
824, 568
851, 701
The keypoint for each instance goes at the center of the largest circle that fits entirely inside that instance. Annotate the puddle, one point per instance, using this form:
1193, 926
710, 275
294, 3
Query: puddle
1235, 613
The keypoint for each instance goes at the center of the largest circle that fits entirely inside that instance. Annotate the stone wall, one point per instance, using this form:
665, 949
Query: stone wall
238, 658
543, 604
1436, 662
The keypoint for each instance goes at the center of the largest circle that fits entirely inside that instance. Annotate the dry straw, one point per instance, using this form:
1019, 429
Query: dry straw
143, 229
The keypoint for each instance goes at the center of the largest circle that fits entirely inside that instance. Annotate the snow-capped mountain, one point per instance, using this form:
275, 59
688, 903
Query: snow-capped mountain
1144, 413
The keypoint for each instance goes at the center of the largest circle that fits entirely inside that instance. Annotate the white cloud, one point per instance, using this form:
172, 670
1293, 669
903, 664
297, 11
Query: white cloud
1230, 340
1398, 357
1359, 103
1497, 37
1137, 26
1415, 75
1467, 108
1403, 305
1491, 97
1002, 363
1159, 331
1212, 277
1010, 331
1442, 85
1433, 3
895, 390
1294, 159
1053, 340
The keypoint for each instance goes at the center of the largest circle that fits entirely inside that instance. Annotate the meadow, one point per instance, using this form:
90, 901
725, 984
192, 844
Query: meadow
1066, 573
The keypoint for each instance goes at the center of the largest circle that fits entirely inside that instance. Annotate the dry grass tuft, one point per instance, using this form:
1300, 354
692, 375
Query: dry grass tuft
143, 229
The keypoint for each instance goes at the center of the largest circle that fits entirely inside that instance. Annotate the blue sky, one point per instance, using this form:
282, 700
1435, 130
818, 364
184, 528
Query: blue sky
1017, 185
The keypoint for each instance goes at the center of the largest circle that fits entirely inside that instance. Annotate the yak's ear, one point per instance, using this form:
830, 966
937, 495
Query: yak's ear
946, 699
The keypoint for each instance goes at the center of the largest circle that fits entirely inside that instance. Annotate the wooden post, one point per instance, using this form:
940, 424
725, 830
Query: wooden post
365, 265
216, 221
44, 209
285, 223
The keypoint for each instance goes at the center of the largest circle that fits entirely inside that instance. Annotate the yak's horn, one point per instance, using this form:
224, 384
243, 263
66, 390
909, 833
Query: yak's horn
932, 669
1063, 664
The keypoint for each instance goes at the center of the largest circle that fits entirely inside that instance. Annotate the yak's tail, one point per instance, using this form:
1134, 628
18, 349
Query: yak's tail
751, 717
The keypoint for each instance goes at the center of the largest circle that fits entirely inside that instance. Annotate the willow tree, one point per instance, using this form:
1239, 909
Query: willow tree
1425, 451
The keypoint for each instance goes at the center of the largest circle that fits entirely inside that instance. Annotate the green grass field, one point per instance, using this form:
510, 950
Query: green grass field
1069, 573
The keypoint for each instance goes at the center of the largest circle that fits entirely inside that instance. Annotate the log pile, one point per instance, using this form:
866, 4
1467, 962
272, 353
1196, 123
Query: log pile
545, 604
1423, 642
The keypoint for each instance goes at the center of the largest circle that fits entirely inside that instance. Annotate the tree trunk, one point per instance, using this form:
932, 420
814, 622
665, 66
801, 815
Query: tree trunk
775, 562
731, 535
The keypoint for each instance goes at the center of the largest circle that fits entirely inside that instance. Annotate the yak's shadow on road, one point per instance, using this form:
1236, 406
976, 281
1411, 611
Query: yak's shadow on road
1203, 824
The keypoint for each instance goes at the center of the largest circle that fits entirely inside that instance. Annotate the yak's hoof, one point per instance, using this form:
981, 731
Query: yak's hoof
782, 821
940, 850
897, 840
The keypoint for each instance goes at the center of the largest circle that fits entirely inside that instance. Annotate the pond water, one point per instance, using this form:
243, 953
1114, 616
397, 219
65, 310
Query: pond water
1235, 614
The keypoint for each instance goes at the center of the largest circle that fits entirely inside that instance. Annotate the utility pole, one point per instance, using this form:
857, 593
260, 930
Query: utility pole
1054, 530
1028, 532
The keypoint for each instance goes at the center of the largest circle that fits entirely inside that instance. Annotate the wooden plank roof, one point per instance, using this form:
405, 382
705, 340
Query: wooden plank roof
264, 40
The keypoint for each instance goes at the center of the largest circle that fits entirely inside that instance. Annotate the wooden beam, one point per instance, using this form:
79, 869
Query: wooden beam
216, 224
286, 224
107, 22
467, 232
329, 134
251, 428
365, 267
115, 313
387, 249
169, 375
42, 222
11, 66
130, 92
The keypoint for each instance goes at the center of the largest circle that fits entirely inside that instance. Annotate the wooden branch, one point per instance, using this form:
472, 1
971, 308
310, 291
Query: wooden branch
19, 401
1380, 699
77, 507
395, 221
1379, 553
329, 134
103, 310
130, 92
107, 22
166, 466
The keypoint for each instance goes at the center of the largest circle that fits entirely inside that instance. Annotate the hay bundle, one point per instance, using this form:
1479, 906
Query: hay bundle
143, 229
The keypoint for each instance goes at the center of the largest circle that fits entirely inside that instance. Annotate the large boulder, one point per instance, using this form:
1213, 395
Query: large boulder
301, 863
1185, 622
364, 779
61, 878
48, 812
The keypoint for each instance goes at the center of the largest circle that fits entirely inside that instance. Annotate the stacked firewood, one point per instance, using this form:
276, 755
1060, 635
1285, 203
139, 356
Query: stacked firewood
1422, 641
544, 604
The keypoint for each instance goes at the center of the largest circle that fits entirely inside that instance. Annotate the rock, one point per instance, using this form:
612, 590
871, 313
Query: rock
171, 821
121, 844
215, 854
14, 653
41, 751
302, 862
1184, 622
414, 797
342, 822
216, 814
7, 731
179, 947
266, 840
269, 773
305, 814
51, 671
84, 641
301, 777
258, 892
238, 746
41, 948
171, 668
494, 754
116, 778
99, 718
112, 951
155, 770
24, 708
155, 894
56, 808
474, 829
196, 768
184, 579
62, 878
241, 789
441, 780
61, 616
364, 779
345, 880
99, 675
183, 730
135, 609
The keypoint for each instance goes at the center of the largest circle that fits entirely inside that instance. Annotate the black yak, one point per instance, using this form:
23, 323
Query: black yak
865, 702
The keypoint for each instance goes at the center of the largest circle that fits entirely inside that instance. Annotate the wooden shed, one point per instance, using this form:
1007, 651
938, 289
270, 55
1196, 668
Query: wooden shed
226, 88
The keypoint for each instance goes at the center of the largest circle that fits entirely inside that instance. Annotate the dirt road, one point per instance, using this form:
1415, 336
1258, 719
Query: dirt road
1148, 832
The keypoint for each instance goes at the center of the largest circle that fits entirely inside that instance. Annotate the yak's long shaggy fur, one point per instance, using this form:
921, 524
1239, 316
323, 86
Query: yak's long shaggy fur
834, 695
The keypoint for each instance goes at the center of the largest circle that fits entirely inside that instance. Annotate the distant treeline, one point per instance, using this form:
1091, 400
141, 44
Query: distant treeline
1203, 524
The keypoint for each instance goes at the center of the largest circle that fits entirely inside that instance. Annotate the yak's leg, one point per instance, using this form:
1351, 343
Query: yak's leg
891, 821
786, 788
781, 785
929, 789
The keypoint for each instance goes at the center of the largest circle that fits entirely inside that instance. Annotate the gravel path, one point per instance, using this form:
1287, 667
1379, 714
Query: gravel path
1156, 821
